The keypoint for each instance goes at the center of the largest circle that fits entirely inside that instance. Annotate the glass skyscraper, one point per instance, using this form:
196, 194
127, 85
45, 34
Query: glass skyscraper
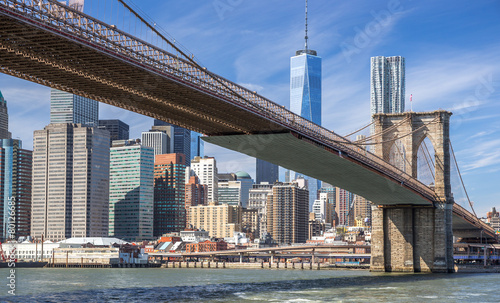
169, 194
4, 119
305, 96
68, 108
197, 145
266, 172
118, 130
15, 188
305, 85
131, 192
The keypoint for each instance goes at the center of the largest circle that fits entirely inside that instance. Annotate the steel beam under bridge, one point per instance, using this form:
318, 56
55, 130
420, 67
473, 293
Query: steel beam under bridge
323, 163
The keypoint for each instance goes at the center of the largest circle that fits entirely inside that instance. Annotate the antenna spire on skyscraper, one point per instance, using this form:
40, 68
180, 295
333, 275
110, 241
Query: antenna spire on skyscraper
306, 37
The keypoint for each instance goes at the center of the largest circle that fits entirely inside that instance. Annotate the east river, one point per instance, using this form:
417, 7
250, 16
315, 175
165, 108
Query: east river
238, 285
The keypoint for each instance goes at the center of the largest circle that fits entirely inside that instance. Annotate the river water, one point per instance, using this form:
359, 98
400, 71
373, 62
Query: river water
244, 285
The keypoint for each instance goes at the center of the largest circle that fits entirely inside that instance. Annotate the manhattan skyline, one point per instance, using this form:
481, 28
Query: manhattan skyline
452, 62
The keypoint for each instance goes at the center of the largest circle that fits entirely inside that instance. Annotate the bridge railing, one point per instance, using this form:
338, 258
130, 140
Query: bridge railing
85, 29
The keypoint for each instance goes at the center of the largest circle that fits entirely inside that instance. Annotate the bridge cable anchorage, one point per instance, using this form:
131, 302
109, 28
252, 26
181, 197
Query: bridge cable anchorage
462, 181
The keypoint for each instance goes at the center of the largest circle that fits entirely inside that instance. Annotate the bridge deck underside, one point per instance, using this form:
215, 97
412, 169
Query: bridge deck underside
465, 225
67, 62
288, 151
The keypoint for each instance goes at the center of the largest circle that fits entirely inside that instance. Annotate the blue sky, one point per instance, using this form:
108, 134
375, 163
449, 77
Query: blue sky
452, 51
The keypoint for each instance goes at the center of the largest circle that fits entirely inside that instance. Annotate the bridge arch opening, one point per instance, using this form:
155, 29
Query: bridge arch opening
426, 162
397, 155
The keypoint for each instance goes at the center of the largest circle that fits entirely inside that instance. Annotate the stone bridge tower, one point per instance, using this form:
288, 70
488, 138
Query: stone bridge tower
414, 238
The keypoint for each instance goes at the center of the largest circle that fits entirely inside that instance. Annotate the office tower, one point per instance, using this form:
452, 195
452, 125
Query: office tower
257, 199
131, 192
331, 198
70, 182
287, 213
206, 170
169, 131
182, 139
266, 172
235, 192
197, 145
229, 192
343, 208
68, 108
362, 209
305, 94
158, 140
387, 85
305, 82
331, 191
4, 119
221, 221
323, 211
196, 194
118, 130
169, 194
224, 177
15, 190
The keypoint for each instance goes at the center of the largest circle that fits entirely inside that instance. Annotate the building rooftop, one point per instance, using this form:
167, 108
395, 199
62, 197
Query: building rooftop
243, 175
98, 241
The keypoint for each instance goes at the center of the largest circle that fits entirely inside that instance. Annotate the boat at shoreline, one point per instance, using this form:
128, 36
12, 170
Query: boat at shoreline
23, 264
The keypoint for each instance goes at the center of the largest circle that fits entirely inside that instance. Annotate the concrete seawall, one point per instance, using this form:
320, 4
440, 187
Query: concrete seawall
262, 265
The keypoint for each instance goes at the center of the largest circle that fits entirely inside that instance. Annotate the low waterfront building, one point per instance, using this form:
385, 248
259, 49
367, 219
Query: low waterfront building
193, 236
109, 256
28, 251
32, 251
206, 246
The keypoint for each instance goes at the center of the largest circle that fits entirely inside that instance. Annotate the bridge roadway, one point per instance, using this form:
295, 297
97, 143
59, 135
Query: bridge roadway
51, 44
324, 250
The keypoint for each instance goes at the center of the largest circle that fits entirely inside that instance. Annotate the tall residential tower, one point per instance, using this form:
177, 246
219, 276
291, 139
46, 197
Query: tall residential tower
387, 85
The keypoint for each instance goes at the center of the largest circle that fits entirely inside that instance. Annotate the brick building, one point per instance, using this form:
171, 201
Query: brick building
206, 246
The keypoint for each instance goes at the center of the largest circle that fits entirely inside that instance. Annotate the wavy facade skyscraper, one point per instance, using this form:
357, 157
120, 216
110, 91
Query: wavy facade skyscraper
387, 85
